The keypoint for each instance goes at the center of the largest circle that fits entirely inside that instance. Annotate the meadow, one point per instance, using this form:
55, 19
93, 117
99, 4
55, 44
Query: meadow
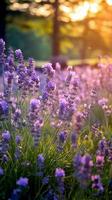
56, 137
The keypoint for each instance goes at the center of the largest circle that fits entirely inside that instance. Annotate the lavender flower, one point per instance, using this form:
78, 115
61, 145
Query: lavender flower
45, 96
67, 100
40, 164
96, 183
2, 46
60, 174
99, 161
10, 62
15, 194
74, 139
6, 136
34, 104
45, 180
79, 120
31, 65
102, 147
58, 67
5, 158
37, 132
49, 70
51, 195
76, 82
40, 161
68, 79
1, 171
4, 145
50, 86
19, 55
2, 55
18, 139
102, 144
62, 138
36, 122
83, 166
22, 181
62, 108
102, 102
4, 108
77, 161
17, 115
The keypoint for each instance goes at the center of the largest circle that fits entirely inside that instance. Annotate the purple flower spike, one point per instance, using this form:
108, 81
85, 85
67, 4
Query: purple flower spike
59, 173
45, 96
3, 107
23, 182
50, 86
83, 166
77, 160
18, 139
2, 54
2, 46
16, 194
45, 180
49, 70
63, 105
1, 171
34, 104
19, 55
6, 136
5, 158
97, 185
2, 49
40, 161
74, 139
62, 136
62, 108
99, 161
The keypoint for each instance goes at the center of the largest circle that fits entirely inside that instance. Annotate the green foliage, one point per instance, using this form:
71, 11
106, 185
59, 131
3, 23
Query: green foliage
32, 44
74, 36
26, 165
97, 115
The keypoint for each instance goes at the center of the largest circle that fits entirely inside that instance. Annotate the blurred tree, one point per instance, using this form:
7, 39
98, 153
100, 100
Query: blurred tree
33, 44
56, 30
71, 20
43, 8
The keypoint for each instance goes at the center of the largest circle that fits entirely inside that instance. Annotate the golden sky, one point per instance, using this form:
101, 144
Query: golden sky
75, 13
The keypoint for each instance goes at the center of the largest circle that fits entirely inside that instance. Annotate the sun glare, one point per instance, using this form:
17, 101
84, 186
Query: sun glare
65, 9
82, 10
109, 2
76, 13
94, 7
18, 6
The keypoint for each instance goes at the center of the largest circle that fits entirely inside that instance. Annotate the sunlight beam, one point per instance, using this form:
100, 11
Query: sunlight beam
109, 2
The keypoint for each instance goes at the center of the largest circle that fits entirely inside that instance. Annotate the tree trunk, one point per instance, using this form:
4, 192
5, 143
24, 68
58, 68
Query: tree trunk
2, 18
56, 27
83, 49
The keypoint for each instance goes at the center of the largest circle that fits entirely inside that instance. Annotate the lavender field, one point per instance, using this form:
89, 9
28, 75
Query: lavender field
55, 136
